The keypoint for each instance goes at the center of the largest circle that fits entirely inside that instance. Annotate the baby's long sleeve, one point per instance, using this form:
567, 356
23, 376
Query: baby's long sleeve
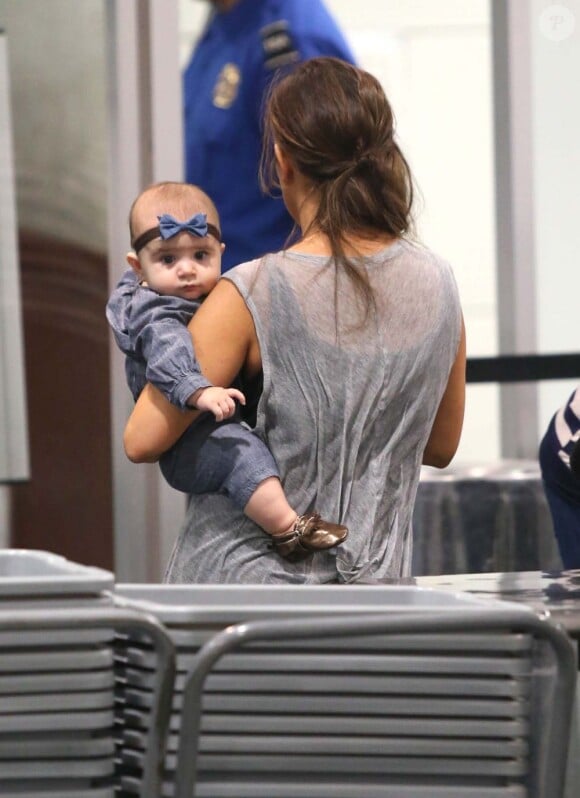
151, 330
161, 336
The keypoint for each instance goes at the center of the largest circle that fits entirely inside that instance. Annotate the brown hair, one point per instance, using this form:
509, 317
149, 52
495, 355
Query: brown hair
335, 123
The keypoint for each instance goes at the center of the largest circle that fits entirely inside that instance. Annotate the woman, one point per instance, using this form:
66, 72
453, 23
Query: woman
358, 334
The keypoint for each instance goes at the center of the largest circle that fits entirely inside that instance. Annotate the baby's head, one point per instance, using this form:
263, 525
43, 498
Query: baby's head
175, 236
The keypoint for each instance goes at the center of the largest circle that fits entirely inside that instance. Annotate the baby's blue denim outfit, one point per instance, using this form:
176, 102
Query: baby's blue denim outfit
210, 457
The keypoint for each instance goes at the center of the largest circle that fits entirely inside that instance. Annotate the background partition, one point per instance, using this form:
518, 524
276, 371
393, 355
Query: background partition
144, 146
14, 461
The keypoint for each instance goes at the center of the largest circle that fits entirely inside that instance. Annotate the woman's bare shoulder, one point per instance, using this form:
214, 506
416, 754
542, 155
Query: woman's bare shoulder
224, 335
225, 298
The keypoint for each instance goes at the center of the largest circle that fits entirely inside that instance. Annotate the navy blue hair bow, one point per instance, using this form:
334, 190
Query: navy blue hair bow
169, 227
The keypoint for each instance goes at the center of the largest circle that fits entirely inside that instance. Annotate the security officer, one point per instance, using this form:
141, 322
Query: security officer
244, 44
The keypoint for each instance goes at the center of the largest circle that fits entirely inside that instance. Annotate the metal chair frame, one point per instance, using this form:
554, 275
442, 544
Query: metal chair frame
500, 618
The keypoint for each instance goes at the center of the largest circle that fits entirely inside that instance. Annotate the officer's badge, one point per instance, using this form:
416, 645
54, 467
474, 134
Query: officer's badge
227, 86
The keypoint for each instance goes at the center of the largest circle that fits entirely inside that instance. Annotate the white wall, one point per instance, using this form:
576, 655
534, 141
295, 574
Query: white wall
556, 128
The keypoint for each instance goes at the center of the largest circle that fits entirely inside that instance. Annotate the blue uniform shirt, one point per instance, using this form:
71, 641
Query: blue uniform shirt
224, 86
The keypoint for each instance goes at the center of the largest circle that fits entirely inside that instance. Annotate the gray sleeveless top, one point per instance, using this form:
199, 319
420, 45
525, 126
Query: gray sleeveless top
345, 410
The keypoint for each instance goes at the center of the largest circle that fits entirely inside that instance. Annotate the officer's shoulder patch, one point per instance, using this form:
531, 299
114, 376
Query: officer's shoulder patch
279, 49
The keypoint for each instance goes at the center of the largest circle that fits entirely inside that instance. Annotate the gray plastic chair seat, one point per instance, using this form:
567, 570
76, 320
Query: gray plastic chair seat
44, 640
58, 682
84, 768
188, 640
57, 789
57, 747
50, 722
363, 663
335, 789
56, 702
340, 707
28, 573
48, 660
398, 727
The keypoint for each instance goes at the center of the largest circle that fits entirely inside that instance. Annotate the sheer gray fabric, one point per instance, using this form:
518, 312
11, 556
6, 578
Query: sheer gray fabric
346, 411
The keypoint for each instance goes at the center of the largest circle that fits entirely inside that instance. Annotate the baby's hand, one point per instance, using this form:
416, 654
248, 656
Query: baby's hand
219, 401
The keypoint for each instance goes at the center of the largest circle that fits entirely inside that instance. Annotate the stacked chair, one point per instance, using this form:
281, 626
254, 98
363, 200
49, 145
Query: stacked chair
358, 692
57, 680
369, 691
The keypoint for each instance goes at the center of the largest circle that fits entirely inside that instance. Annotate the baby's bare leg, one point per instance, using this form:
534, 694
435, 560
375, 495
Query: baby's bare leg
269, 509
294, 535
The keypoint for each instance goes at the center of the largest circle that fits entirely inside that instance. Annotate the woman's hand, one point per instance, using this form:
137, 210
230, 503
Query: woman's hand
225, 343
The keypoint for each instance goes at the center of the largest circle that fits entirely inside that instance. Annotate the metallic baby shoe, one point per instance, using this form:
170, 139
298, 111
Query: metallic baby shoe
309, 533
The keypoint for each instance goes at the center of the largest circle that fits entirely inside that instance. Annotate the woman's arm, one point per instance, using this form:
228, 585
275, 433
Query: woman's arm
446, 431
225, 342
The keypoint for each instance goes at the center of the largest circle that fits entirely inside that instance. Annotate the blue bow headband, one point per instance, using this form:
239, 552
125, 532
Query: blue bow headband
169, 227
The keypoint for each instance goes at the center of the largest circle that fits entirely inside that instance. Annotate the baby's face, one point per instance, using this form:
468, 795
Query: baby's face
185, 265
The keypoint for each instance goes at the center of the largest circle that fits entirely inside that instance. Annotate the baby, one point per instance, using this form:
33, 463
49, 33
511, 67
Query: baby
175, 263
